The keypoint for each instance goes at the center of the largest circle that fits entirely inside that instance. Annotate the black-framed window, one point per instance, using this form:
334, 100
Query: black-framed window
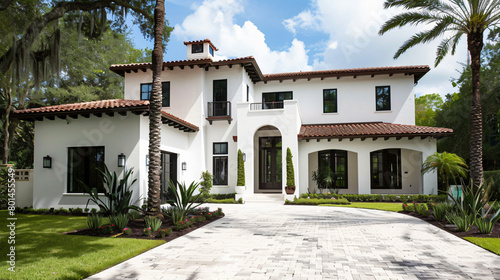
248, 93
220, 170
196, 48
385, 166
220, 90
336, 161
210, 49
220, 148
383, 98
274, 100
330, 101
83, 166
165, 91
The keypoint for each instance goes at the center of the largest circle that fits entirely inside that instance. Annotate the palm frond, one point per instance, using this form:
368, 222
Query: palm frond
412, 18
444, 47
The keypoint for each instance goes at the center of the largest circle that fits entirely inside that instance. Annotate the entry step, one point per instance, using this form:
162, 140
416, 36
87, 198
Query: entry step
264, 198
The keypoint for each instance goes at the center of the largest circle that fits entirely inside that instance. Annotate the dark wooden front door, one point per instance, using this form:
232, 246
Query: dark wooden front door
270, 167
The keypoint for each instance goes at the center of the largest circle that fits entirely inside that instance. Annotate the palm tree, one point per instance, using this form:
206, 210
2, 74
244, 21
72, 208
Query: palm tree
452, 18
154, 189
447, 165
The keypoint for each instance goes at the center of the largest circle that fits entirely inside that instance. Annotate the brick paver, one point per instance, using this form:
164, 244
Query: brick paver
271, 241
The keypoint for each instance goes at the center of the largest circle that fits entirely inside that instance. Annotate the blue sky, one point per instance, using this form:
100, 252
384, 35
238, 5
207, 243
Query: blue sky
288, 36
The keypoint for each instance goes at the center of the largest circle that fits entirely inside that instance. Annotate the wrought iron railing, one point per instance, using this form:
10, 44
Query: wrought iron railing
266, 105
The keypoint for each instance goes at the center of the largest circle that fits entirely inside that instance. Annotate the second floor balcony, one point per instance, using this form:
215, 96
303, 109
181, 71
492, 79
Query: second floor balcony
266, 105
219, 111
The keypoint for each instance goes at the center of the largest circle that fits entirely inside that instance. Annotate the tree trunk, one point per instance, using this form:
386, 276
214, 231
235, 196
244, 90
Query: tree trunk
155, 114
6, 123
475, 45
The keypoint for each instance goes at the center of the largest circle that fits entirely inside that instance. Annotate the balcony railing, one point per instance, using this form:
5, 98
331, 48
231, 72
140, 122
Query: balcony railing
219, 110
266, 105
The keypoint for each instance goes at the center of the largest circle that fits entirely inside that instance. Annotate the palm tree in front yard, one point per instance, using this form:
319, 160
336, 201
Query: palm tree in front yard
154, 184
451, 19
447, 165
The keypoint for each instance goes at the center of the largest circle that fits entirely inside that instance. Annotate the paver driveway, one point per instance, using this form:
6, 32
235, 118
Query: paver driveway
270, 241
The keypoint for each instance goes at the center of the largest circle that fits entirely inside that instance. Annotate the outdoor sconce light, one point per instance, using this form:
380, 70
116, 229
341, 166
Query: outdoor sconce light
184, 166
147, 160
244, 157
121, 160
47, 162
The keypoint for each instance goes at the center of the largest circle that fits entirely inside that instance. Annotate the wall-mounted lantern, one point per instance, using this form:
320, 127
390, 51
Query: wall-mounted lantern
147, 160
121, 160
47, 162
184, 166
244, 157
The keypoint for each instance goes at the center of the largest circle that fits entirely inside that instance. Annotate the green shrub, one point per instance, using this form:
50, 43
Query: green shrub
105, 229
127, 231
147, 232
182, 224
119, 221
77, 210
164, 232
62, 211
439, 211
421, 208
241, 169
240, 200
463, 221
206, 183
225, 201
94, 221
152, 222
408, 207
222, 195
492, 178
133, 214
315, 201
290, 174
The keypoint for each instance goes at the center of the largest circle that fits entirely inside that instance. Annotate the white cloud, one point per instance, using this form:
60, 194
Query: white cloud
215, 19
353, 41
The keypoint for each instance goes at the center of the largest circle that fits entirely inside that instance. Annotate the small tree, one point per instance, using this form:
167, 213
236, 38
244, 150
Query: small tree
447, 165
241, 169
290, 174
206, 183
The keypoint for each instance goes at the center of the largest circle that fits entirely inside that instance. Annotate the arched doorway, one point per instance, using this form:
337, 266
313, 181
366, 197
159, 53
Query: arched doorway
269, 161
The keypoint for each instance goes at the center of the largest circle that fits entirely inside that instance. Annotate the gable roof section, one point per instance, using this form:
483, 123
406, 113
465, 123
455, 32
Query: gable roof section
248, 63
97, 108
253, 70
369, 130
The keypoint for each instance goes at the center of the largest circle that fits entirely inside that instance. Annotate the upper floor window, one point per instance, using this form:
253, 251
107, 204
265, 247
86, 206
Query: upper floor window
210, 49
330, 101
248, 93
83, 166
274, 100
383, 98
165, 89
196, 48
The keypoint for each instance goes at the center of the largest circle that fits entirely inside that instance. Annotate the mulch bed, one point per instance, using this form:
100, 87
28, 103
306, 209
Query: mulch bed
472, 232
138, 225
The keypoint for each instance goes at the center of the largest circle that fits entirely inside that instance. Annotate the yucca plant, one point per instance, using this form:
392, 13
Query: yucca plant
152, 222
485, 224
119, 221
94, 221
181, 197
463, 221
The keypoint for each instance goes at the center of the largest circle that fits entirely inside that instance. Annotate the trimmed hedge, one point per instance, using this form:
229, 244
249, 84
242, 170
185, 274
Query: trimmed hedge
493, 177
225, 201
315, 201
420, 198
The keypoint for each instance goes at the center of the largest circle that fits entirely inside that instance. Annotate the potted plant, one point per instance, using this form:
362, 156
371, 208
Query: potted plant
240, 185
290, 176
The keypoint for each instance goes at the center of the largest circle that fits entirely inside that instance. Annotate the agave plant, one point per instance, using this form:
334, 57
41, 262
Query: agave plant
181, 197
117, 193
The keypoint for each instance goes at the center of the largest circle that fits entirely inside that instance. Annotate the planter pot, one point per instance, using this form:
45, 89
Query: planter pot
290, 190
239, 189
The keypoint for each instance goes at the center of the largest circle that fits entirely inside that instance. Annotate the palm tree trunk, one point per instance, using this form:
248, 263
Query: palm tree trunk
155, 114
475, 45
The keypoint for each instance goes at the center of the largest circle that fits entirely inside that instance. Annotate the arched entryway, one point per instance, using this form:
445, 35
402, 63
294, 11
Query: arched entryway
268, 150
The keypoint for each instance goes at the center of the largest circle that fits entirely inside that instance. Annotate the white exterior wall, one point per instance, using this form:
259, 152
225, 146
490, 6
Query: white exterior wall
355, 98
204, 54
117, 134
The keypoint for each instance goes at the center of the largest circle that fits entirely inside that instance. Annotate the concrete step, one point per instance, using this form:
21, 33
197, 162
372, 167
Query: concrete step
264, 198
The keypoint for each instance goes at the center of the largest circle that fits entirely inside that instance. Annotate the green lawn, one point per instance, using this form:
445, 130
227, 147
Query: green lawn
43, 253
386, 206
492, 244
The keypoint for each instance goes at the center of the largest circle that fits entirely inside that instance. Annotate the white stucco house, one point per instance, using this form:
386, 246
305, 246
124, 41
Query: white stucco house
360, 123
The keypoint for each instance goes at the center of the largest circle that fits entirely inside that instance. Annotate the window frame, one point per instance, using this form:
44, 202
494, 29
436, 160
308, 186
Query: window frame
333, 155
165, 94
220, 153
335, 100
216, 160
377, 97
386, 186
211, 50
197, 48
71, 181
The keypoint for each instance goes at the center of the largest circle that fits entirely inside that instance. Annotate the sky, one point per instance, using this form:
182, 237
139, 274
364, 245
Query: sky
304, 35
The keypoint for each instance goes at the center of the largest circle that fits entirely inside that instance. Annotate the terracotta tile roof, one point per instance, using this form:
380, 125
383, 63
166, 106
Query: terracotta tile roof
99, 107
418, 71
201, 42
365, 130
